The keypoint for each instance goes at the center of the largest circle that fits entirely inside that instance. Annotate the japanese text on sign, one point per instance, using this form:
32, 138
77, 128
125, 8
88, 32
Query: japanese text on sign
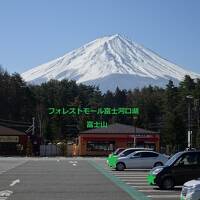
97, 124
72, 111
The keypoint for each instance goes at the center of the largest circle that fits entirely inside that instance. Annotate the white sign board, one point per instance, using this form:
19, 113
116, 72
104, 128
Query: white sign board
9, 139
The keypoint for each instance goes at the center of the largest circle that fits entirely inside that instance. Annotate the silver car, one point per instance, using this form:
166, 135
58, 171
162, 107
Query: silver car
191, 190
141, 159
128, 151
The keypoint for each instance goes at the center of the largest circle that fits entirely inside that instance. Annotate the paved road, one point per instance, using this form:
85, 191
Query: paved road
57, 179
72, 179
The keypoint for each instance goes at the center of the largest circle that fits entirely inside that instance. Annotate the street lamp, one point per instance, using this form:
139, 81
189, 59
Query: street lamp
189, 97
134, 141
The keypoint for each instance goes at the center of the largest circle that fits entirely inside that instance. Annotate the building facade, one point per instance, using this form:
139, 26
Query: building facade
12, 142
102, 141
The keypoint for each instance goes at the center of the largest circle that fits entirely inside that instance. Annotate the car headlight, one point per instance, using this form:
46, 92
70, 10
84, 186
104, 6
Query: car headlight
187, 192
156, 171
190, 191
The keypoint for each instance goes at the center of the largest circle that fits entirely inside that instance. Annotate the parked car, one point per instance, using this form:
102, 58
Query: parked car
111, 156
112, 159
118, 151
180, 168
141, 159
191, 190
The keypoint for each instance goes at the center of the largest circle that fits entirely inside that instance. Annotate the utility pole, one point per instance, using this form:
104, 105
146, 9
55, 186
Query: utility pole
134, 141
40, 124
189, 97
196, 106
33, 126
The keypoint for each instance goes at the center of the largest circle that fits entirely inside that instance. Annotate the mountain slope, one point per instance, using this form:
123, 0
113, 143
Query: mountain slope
113, 60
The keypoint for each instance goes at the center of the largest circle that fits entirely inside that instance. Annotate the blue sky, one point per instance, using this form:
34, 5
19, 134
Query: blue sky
33, 32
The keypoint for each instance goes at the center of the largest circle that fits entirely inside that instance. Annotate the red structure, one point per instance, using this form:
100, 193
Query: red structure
12, 142
102, 141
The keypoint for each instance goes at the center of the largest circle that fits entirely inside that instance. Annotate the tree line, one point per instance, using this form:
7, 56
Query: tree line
161, 109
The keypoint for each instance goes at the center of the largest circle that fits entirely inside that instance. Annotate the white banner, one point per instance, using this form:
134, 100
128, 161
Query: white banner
9, 139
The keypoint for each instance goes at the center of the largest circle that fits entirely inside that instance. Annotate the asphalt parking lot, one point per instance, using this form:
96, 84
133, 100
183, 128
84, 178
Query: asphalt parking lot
73, 179
137, 179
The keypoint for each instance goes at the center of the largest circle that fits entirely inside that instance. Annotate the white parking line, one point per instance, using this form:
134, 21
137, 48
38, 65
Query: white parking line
134, 178
141, 186
124, 174
133, 183
14, 182
136, 174
156, 190
128, 174
138, 179
164, 196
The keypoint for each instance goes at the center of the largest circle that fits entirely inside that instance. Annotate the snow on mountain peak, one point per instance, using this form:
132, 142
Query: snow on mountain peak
107, 56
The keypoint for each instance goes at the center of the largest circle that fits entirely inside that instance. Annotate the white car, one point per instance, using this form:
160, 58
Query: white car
141, 159
191, 190
128, 151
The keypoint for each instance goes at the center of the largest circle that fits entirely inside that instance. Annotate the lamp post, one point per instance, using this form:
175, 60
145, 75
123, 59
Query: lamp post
189, 97
134, 141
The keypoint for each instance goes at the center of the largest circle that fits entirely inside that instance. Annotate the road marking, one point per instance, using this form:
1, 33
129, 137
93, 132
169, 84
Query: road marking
74, 164
128, 178
157, 190
58, 160
134, 193
143, 186
5, 193
164, 196
124, 174
14, 182
73, 161
142, 175
136, 183
137, 179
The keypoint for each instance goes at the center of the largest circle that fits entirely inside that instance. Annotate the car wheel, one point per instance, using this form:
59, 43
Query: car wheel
120, 166
158, 164
167, 183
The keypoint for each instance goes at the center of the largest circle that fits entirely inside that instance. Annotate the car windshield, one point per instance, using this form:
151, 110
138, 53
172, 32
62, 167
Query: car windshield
173, 159
117, 151
126, 152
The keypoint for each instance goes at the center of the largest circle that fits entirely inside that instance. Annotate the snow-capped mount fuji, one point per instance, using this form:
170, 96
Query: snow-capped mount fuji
109, 62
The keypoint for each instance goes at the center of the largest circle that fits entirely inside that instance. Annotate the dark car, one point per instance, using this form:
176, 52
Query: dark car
180, 168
